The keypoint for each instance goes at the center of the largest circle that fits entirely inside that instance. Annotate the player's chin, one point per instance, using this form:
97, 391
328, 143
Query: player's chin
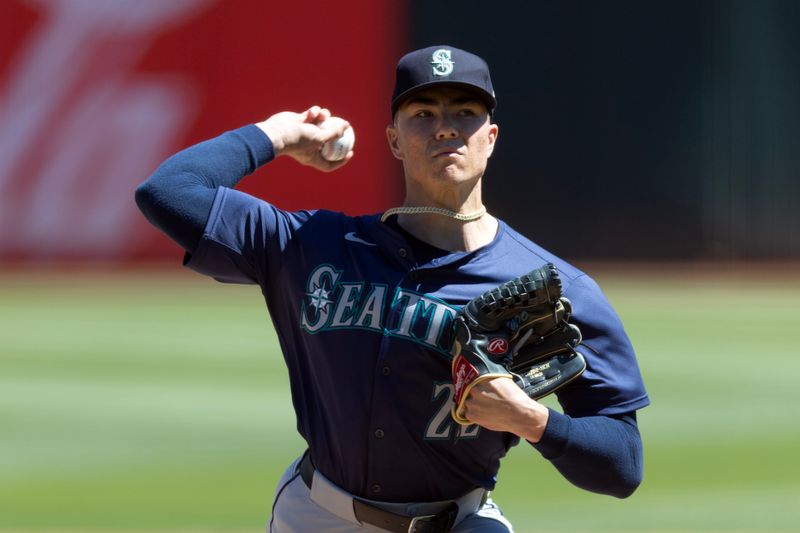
442, 164
454, 173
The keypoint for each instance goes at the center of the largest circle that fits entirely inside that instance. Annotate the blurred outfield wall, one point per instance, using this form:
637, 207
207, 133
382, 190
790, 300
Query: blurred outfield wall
649, 130
94, 94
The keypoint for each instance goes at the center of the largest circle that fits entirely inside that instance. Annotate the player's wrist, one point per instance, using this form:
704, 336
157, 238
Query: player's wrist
274, 136
532, 424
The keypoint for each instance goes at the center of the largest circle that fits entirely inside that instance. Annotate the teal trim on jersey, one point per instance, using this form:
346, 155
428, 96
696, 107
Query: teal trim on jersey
357, 304
401, 292
340, 305
345, 308
370, 297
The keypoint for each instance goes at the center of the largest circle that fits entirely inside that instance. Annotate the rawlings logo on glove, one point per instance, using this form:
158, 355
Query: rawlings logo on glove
497, 346
519, 330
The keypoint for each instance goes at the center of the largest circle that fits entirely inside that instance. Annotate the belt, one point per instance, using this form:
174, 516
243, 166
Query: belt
365, 512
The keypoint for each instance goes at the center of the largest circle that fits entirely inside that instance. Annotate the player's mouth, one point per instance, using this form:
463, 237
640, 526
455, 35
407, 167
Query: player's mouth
446, 152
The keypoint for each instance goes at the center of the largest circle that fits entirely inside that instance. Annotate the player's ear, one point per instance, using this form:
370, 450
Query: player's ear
494, 131
394, 145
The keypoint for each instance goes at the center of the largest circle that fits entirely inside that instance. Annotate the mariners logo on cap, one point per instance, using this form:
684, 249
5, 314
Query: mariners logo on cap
442, 64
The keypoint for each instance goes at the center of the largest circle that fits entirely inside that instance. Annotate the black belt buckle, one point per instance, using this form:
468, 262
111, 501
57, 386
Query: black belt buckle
412, 527
440, 522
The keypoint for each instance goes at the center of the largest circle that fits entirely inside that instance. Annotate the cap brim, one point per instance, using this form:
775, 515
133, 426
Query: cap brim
488, 100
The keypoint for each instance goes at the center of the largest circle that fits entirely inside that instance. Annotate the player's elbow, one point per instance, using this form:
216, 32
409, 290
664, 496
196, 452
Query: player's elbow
145, 197
619, 481
628, 475
618, 472
626, 484
151, 201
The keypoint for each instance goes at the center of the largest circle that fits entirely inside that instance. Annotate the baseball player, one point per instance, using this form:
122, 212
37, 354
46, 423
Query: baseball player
363, 306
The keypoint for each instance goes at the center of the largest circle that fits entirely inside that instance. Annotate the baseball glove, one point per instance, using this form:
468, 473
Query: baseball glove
520, 330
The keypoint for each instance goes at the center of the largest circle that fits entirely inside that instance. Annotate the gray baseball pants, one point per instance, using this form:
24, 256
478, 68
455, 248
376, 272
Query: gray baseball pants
327, 508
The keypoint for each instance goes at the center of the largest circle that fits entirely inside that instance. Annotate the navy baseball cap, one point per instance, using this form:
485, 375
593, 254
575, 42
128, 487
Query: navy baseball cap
442, 65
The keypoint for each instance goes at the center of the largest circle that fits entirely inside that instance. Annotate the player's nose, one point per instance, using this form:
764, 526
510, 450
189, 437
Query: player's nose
446, 128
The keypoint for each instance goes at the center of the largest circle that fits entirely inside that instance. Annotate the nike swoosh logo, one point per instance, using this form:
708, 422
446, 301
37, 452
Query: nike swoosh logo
352, 237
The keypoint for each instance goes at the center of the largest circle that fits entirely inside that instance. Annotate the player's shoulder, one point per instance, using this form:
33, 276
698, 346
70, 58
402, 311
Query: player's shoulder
249, 209
524, 251
582, 289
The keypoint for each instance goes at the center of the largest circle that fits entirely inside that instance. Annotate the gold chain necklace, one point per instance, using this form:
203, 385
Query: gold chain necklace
433, 210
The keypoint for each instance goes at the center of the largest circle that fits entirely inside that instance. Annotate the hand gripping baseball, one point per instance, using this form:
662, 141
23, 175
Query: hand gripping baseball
302, 136
521, 330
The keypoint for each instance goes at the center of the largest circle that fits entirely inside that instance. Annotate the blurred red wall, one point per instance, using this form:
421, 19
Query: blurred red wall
94, 95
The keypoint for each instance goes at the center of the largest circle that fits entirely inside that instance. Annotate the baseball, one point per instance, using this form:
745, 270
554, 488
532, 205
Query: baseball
337, 149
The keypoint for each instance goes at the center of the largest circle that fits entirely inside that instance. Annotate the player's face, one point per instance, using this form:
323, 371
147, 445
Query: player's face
443, 136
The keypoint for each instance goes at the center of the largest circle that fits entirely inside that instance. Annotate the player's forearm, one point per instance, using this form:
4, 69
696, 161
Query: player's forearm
598, 453
179, 195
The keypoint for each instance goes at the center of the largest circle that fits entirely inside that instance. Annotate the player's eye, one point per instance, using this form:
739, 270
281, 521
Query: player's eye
423, 113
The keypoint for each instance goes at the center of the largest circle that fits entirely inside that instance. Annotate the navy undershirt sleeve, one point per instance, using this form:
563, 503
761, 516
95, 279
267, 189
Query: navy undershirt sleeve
178, 197
601, 454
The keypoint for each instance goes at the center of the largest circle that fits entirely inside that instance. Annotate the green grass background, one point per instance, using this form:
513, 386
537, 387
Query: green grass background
158, 401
